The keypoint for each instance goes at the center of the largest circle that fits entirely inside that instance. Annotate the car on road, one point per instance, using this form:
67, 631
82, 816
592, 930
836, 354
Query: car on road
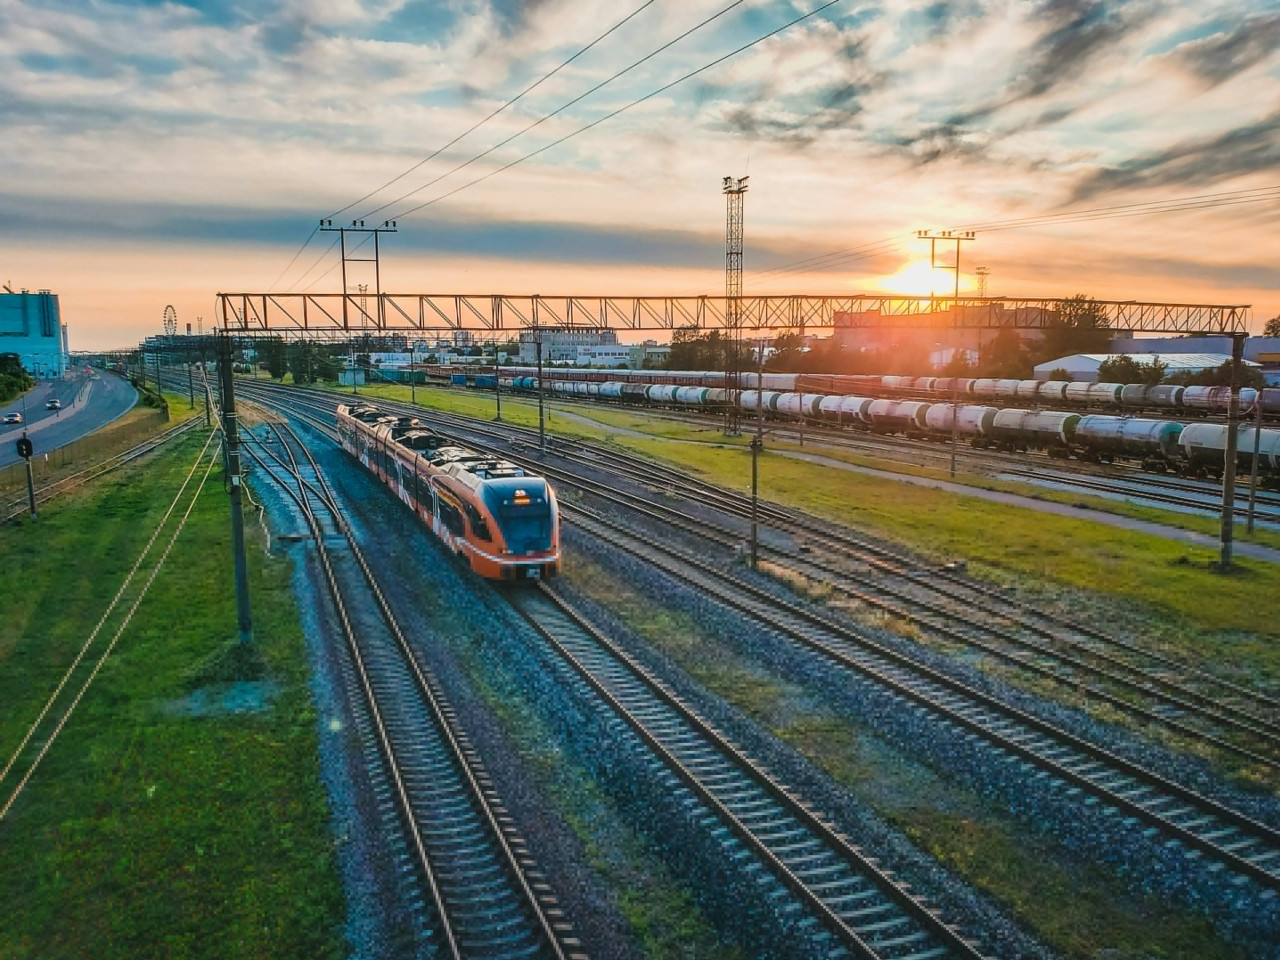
13, 417
54, 404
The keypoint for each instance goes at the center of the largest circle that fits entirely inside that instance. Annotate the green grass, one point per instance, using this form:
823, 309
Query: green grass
152, 830
1170, 577
1072, 906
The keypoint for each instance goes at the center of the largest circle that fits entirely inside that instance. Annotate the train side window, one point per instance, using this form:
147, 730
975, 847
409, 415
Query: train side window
479, 526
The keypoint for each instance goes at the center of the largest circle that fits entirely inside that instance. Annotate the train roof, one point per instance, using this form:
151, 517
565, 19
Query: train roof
462, 463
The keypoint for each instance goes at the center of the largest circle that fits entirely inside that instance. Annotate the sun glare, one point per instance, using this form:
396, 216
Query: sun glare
919, 280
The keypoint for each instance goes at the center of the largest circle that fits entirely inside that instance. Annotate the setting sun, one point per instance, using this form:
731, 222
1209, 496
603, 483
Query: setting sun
918, 279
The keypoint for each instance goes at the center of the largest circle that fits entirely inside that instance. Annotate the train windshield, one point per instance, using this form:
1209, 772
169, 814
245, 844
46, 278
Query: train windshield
523, 511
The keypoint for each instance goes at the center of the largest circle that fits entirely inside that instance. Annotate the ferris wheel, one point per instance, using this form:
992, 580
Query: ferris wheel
170, 320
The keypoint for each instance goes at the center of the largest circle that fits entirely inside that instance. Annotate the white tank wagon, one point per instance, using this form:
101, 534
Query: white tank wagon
692, 396
611, 390
1270, 400
897, 416
970, 420
1026, 429
844, 408
924, 384
1217, 398
1105, 393
661, 393
1027, 390
756, 399
1204, 446
1007, 388
1106, 437
897, 383
947, 386
1076, 393
983, 387
1052, 391
798, 405
716, 396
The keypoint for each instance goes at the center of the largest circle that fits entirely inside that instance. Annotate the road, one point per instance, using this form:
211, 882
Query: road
87, 405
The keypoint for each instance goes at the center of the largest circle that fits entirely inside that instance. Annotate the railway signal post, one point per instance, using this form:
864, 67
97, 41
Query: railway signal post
25, 450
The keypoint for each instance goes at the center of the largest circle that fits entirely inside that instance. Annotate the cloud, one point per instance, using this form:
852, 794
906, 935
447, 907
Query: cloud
1218, 58
1247, 149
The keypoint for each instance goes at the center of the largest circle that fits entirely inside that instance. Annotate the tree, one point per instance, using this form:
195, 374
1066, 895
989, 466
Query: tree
1220, 376
1081, 326
1005, 356
273, 353
1272, 327
1125, 369
1059, 373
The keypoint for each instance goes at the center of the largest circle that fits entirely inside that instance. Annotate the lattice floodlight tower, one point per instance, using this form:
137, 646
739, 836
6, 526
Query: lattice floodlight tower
734, 189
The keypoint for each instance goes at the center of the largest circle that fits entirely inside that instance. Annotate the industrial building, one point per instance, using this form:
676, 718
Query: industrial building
1083, 367
31, 326
560, 345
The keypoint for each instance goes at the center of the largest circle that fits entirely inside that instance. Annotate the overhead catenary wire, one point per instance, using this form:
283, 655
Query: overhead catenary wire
93, 635
133, 609
560, 109
480, 123
634, 103
1117, 211
474, 127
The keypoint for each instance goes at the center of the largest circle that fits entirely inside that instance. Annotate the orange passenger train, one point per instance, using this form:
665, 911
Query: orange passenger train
500, 519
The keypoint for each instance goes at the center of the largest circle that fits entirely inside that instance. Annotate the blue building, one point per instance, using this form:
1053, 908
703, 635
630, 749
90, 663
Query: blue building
31, 326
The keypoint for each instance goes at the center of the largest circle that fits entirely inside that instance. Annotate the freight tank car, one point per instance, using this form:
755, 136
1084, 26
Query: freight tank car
1155, 442
502, 521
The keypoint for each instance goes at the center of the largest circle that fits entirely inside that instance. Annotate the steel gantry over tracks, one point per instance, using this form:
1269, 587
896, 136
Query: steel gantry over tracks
301, 314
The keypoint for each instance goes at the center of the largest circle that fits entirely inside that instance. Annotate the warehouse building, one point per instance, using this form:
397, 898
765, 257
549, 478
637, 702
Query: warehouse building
31, 326
1083, 367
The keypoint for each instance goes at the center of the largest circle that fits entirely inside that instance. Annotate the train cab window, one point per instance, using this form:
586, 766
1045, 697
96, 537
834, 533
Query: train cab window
451, 517
479, 526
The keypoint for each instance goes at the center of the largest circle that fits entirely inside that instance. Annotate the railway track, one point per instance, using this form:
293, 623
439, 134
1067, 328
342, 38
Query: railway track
1158, 691
1086, 475
1071, 764
1144, 804
866, 911
481, 893
19, 506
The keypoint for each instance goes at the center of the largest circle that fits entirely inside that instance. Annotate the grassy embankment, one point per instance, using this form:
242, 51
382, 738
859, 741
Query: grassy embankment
1169, 578
1073, 906
160, 824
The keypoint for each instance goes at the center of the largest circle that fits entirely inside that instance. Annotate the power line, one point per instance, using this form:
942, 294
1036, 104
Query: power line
1116, 211
563, 107
476, 126
634, 103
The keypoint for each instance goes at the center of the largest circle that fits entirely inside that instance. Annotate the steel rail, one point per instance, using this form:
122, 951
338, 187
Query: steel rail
961, 589
1126, 675
1038, 742
555, 938
730, 809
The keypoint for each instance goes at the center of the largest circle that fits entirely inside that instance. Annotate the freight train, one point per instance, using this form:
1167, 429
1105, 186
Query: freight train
1196, 449
1133, 397
503, 522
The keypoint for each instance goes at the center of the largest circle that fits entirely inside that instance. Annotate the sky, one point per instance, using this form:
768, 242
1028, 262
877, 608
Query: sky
158, 153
